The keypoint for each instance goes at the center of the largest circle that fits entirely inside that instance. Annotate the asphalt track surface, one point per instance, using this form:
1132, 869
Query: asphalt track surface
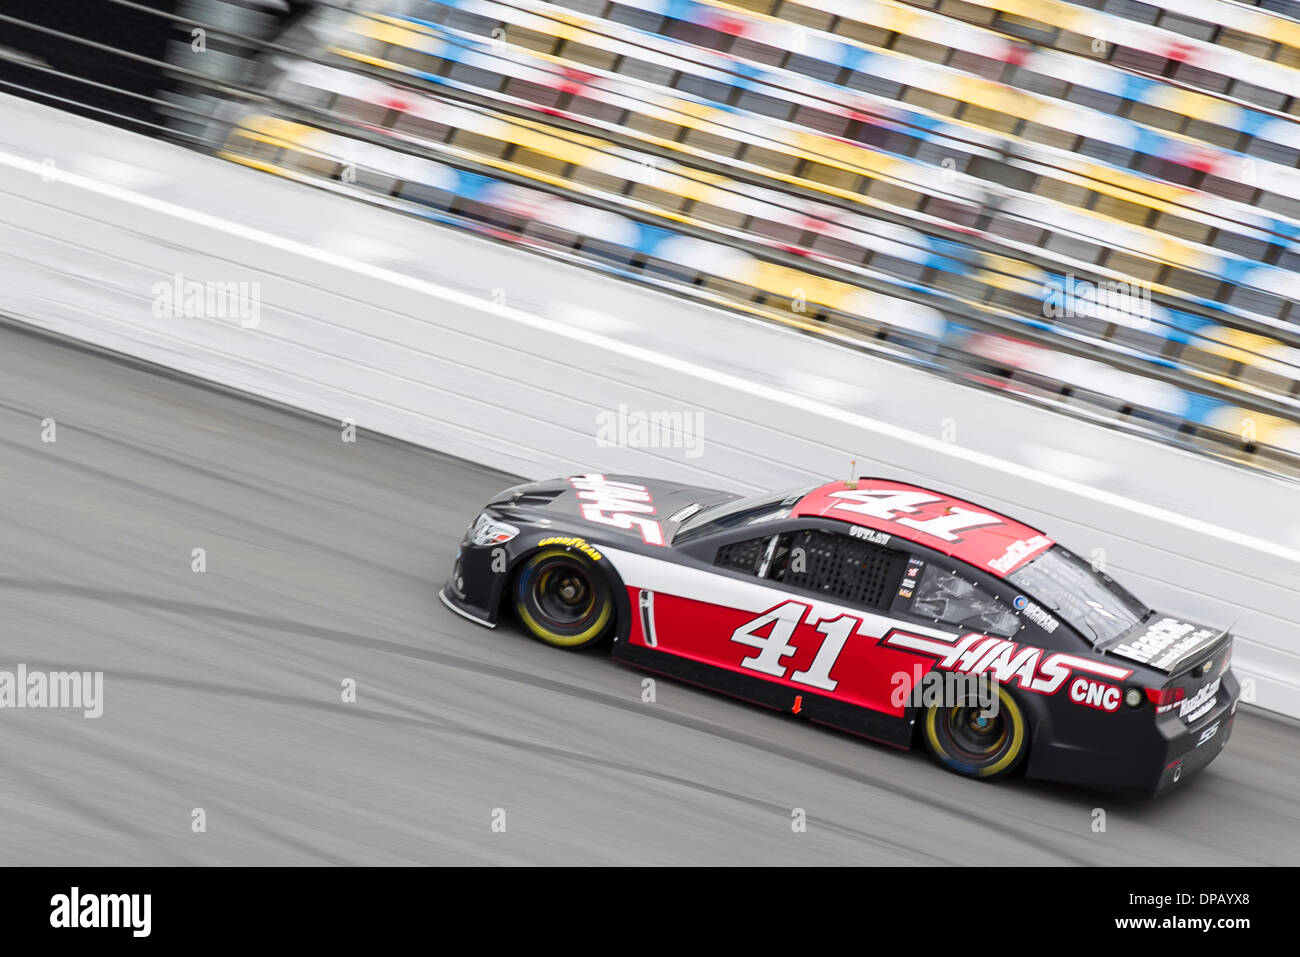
223, 689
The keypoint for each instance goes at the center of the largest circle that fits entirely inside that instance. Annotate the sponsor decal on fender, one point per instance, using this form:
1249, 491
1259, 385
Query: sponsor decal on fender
1037, 614
581, 544
1032, 669
1095, 694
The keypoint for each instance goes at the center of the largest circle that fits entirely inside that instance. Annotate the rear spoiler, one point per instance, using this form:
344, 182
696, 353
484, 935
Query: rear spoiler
1167, 645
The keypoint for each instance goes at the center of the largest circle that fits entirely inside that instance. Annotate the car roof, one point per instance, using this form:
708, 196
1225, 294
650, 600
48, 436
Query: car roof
978, 536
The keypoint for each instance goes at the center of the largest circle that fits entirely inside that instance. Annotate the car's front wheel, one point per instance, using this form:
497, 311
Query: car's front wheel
563, 600
969, 740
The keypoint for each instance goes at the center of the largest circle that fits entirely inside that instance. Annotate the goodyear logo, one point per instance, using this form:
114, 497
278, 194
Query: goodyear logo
580, 544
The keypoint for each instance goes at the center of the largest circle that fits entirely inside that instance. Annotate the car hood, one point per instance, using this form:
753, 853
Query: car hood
624, 502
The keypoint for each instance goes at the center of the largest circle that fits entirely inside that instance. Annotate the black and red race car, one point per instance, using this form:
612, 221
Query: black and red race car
872, 606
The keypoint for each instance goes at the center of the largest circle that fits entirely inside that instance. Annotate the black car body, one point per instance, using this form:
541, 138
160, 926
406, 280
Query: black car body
872, 606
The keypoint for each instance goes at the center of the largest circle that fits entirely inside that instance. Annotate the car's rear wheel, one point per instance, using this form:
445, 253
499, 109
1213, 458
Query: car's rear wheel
980, 744
562, 600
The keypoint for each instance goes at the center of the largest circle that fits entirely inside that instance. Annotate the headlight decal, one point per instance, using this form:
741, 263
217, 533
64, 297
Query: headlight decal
487, 530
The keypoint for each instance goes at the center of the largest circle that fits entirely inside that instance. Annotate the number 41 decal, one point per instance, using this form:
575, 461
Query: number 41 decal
784, 619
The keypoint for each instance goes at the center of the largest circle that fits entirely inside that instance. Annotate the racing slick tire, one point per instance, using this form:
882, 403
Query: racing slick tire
563, 600
966, 740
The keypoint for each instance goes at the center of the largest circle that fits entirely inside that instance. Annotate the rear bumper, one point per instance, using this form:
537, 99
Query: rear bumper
1133, 750
1190, 748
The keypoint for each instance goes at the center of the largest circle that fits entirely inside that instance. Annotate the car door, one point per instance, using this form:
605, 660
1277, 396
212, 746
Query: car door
799, 605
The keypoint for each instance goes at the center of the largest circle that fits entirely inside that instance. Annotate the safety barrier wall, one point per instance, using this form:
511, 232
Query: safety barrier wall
459, 344
1249, 357
710, 269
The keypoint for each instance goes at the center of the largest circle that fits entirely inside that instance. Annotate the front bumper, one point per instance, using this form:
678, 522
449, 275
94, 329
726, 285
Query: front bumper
448, 598
464, 591
478, 578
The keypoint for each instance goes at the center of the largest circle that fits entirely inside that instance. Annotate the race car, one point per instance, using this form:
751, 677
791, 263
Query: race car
877, 607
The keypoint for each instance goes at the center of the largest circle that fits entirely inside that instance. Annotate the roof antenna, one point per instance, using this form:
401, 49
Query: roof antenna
851, 482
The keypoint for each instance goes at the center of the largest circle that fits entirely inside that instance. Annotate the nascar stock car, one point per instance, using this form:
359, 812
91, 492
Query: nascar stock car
827, 601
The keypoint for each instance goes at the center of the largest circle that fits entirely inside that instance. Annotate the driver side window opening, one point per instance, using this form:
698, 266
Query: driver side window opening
946, 596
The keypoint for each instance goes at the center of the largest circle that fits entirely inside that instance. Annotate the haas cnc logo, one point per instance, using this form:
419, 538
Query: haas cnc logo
1029, 668
620, 504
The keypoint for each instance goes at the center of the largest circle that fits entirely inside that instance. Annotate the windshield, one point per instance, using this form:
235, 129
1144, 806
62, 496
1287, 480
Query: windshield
1089, 600
741, 512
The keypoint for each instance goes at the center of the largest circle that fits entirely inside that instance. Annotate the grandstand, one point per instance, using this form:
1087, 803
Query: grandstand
1092, 205
916, 181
